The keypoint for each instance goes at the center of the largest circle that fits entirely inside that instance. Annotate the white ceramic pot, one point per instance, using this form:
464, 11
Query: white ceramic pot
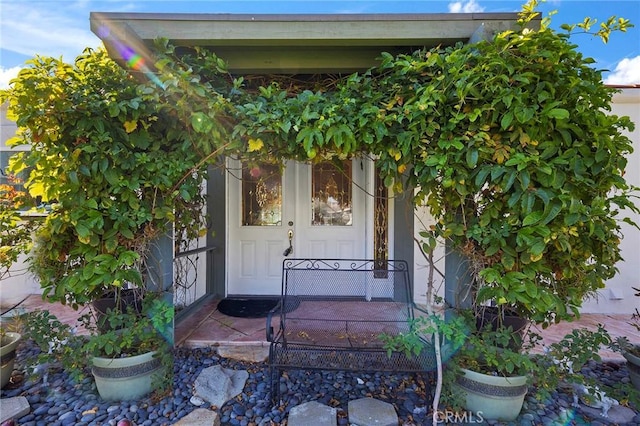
8, 347
121, 379
493, 397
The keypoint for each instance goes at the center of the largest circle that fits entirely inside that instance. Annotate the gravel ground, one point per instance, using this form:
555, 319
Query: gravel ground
62, 402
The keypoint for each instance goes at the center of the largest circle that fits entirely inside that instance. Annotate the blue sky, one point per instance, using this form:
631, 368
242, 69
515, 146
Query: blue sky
61, 28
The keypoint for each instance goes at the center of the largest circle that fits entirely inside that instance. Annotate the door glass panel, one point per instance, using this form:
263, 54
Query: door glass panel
261, 194
331, 194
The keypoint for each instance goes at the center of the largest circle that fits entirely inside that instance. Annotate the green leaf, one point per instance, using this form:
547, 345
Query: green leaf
82, 230
531, 289
538, 248
532, 218
472, 157
201, 123
506, 120
114, 109
73, 177
550, 212
524, 115
482, 176
558, 113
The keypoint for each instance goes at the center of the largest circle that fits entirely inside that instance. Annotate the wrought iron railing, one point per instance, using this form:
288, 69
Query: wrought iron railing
190, 276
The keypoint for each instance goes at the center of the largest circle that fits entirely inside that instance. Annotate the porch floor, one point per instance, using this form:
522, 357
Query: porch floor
209, 327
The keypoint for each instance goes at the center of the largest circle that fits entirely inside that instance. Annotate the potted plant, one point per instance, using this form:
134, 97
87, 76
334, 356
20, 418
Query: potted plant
128, 359
489, 374
8, 344
133, 357
119, 300
484, 374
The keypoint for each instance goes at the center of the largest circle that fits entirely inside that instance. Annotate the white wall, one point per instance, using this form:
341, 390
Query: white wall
19, 283
618, 296
422, 221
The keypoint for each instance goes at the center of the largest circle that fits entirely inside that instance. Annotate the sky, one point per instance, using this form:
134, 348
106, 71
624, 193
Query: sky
61, 28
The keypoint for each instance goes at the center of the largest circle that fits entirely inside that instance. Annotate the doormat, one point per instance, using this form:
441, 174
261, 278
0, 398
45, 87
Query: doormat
247, 308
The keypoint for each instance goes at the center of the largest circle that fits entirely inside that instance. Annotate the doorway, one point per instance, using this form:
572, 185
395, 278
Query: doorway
301, 210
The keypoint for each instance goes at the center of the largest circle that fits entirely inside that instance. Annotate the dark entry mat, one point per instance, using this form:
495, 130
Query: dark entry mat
247, 308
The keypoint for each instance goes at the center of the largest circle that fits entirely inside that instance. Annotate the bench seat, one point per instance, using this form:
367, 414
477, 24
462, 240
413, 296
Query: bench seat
332, 314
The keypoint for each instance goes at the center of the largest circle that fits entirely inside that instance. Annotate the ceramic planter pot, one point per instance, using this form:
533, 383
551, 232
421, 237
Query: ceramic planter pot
121, 379
8, 347
493, 397
633, 365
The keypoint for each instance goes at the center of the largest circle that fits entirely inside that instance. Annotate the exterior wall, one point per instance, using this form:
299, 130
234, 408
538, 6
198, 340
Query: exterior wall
618, 295
19, 283
421, 266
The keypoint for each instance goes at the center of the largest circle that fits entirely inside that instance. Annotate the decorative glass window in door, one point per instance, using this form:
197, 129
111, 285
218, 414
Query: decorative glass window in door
261, 194
331, 194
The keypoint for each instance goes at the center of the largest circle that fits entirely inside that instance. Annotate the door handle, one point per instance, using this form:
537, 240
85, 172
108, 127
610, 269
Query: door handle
289, 249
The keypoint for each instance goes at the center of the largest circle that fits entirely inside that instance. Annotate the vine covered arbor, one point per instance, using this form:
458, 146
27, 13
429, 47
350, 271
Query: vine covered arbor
493, 122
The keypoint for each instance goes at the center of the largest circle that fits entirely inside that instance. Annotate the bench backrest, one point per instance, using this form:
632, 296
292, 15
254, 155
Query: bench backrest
347, 278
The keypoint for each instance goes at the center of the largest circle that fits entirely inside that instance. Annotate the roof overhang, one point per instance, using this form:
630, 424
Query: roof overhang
292, 44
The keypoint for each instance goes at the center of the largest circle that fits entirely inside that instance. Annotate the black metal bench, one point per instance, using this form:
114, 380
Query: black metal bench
331, 315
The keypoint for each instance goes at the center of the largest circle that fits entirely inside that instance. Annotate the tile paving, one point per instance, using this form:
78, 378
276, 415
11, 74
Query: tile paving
208, 327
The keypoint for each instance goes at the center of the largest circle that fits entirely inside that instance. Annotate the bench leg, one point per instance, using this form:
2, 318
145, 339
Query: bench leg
274, 377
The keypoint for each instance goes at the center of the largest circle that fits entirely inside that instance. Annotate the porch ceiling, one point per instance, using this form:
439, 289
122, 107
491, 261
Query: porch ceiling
293, 44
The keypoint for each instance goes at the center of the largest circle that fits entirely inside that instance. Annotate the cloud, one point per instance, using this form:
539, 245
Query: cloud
55, 31
7, 74
470, 6
627, 71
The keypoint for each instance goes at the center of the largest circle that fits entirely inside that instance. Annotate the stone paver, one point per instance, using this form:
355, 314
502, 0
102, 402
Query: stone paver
312, 413
218, 385
372, 412
199, 417
250, 353
618, 414
13, 408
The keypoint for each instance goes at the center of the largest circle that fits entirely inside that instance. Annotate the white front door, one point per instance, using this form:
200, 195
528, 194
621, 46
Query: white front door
323, 206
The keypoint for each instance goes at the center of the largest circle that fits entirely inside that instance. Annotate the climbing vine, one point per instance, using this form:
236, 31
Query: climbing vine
509, 142
114, 170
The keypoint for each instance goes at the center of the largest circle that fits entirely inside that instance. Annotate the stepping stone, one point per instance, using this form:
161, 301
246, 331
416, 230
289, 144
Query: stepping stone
370, 412
218, 385
312, 413
618, 414
199, 417
250, 353
13, 408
